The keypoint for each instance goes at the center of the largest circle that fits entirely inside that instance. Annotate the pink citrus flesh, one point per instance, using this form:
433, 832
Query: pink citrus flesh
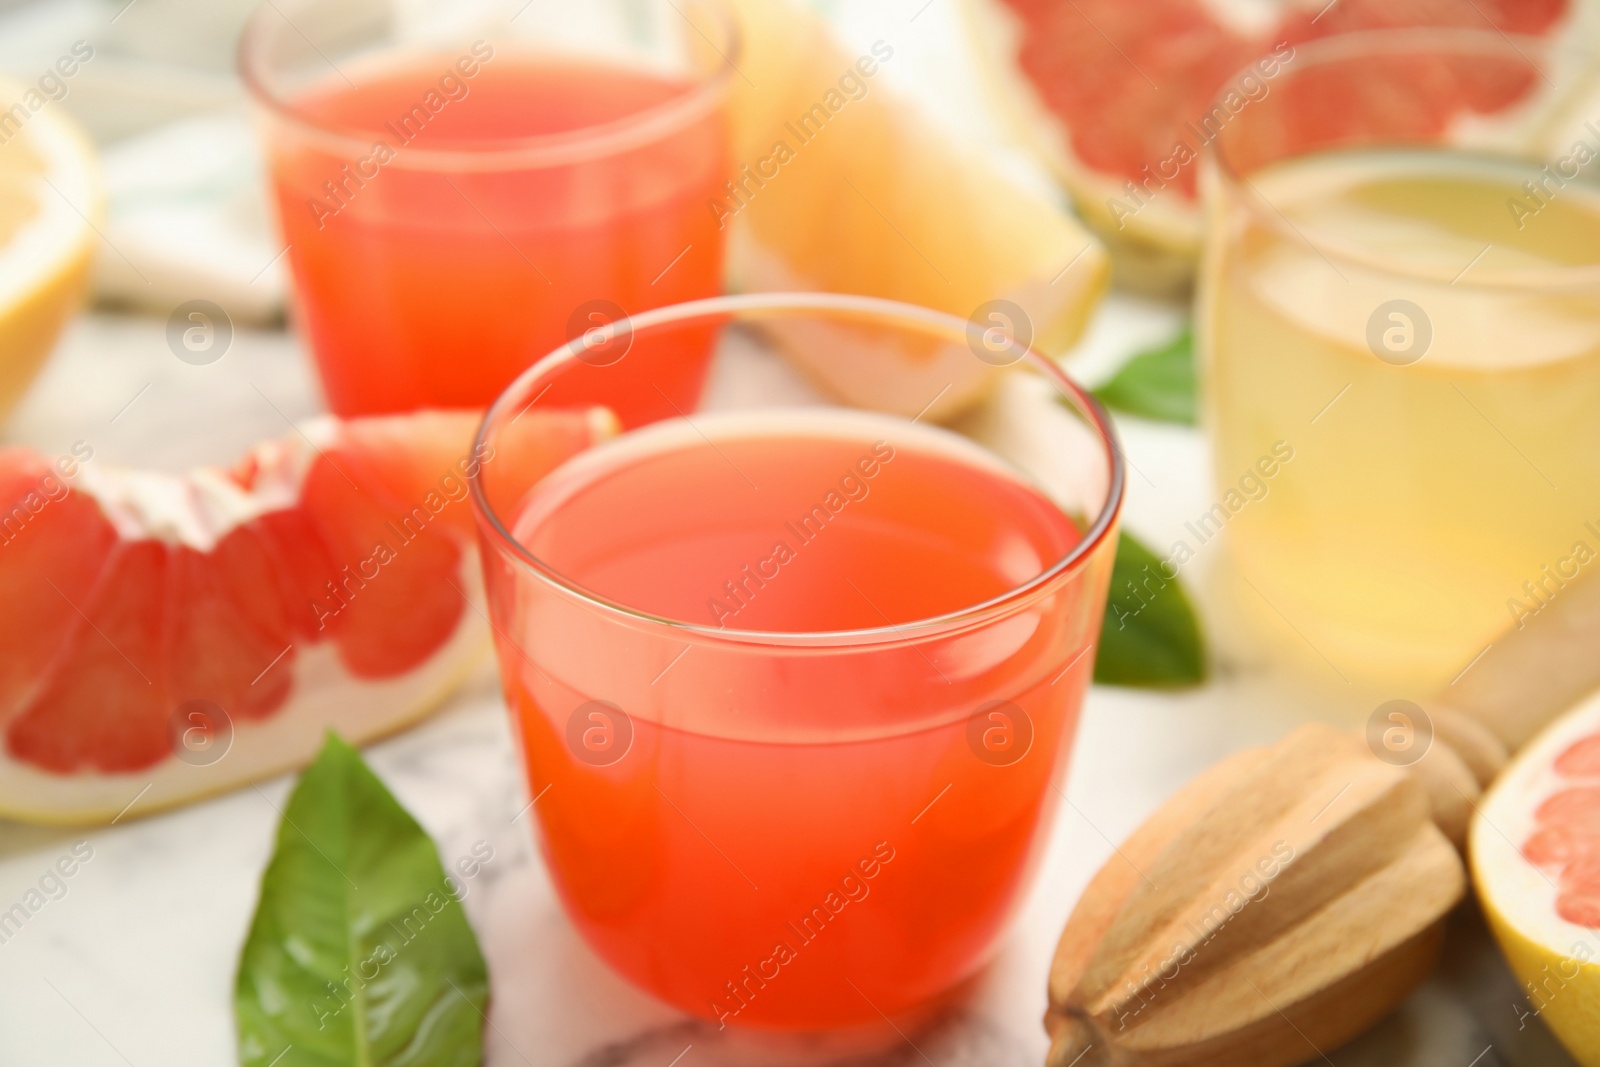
1127, 82
340, 556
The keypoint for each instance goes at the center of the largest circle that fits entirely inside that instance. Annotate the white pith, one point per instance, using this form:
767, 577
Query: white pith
198, 508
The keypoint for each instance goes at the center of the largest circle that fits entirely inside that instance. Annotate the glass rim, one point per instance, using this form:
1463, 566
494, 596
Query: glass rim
894, 312
1399, 42
595, 141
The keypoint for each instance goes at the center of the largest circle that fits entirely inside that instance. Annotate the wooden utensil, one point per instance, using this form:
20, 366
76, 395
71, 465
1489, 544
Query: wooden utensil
1291, 896
1277, 906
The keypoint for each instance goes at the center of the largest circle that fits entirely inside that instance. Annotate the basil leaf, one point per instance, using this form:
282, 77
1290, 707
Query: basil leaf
1150, 636
1157, 384
359, 953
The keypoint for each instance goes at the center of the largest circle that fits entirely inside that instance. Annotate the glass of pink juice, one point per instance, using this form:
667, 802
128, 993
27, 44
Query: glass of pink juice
459, 196
796, 683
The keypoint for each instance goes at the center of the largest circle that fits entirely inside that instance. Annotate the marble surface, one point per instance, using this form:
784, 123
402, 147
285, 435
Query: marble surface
134, 965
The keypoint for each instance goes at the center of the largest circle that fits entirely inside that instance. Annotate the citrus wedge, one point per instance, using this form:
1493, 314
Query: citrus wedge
169, 636
842, 186
1111, 93
1535, 853
49, 192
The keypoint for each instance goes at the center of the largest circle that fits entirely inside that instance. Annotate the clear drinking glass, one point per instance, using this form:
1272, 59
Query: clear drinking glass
463, 187
1399, 323
793, 789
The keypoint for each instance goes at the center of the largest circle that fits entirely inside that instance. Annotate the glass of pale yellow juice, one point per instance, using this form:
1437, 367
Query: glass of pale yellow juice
1401, 292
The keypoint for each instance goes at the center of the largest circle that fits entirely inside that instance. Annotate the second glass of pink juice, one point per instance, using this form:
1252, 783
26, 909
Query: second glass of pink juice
454, 206
796, 685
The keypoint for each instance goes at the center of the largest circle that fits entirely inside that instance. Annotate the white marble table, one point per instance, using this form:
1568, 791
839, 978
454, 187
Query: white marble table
134, 966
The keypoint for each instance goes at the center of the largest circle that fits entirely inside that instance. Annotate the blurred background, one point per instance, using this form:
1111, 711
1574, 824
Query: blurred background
145, 961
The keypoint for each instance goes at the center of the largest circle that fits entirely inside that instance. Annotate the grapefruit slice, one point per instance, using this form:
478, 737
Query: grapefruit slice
169, 636
844, 187
1535, 852
1107, 90
49, 191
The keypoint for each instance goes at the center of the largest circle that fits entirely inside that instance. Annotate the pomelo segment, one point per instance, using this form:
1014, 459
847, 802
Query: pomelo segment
844, 187
1106, 91
1535, 854
328, 580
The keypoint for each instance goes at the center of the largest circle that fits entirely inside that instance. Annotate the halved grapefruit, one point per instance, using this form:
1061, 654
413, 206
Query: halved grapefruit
1535, 852
168, 636
1106, 91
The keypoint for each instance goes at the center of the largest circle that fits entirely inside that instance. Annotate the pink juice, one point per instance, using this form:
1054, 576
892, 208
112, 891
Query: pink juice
429, 280
796, 836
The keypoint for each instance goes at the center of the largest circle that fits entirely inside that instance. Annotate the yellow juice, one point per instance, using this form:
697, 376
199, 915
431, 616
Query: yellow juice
1422, 329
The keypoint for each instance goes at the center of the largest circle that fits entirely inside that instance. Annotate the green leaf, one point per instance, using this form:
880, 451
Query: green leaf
359, 953
1150, 636
1157, 383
